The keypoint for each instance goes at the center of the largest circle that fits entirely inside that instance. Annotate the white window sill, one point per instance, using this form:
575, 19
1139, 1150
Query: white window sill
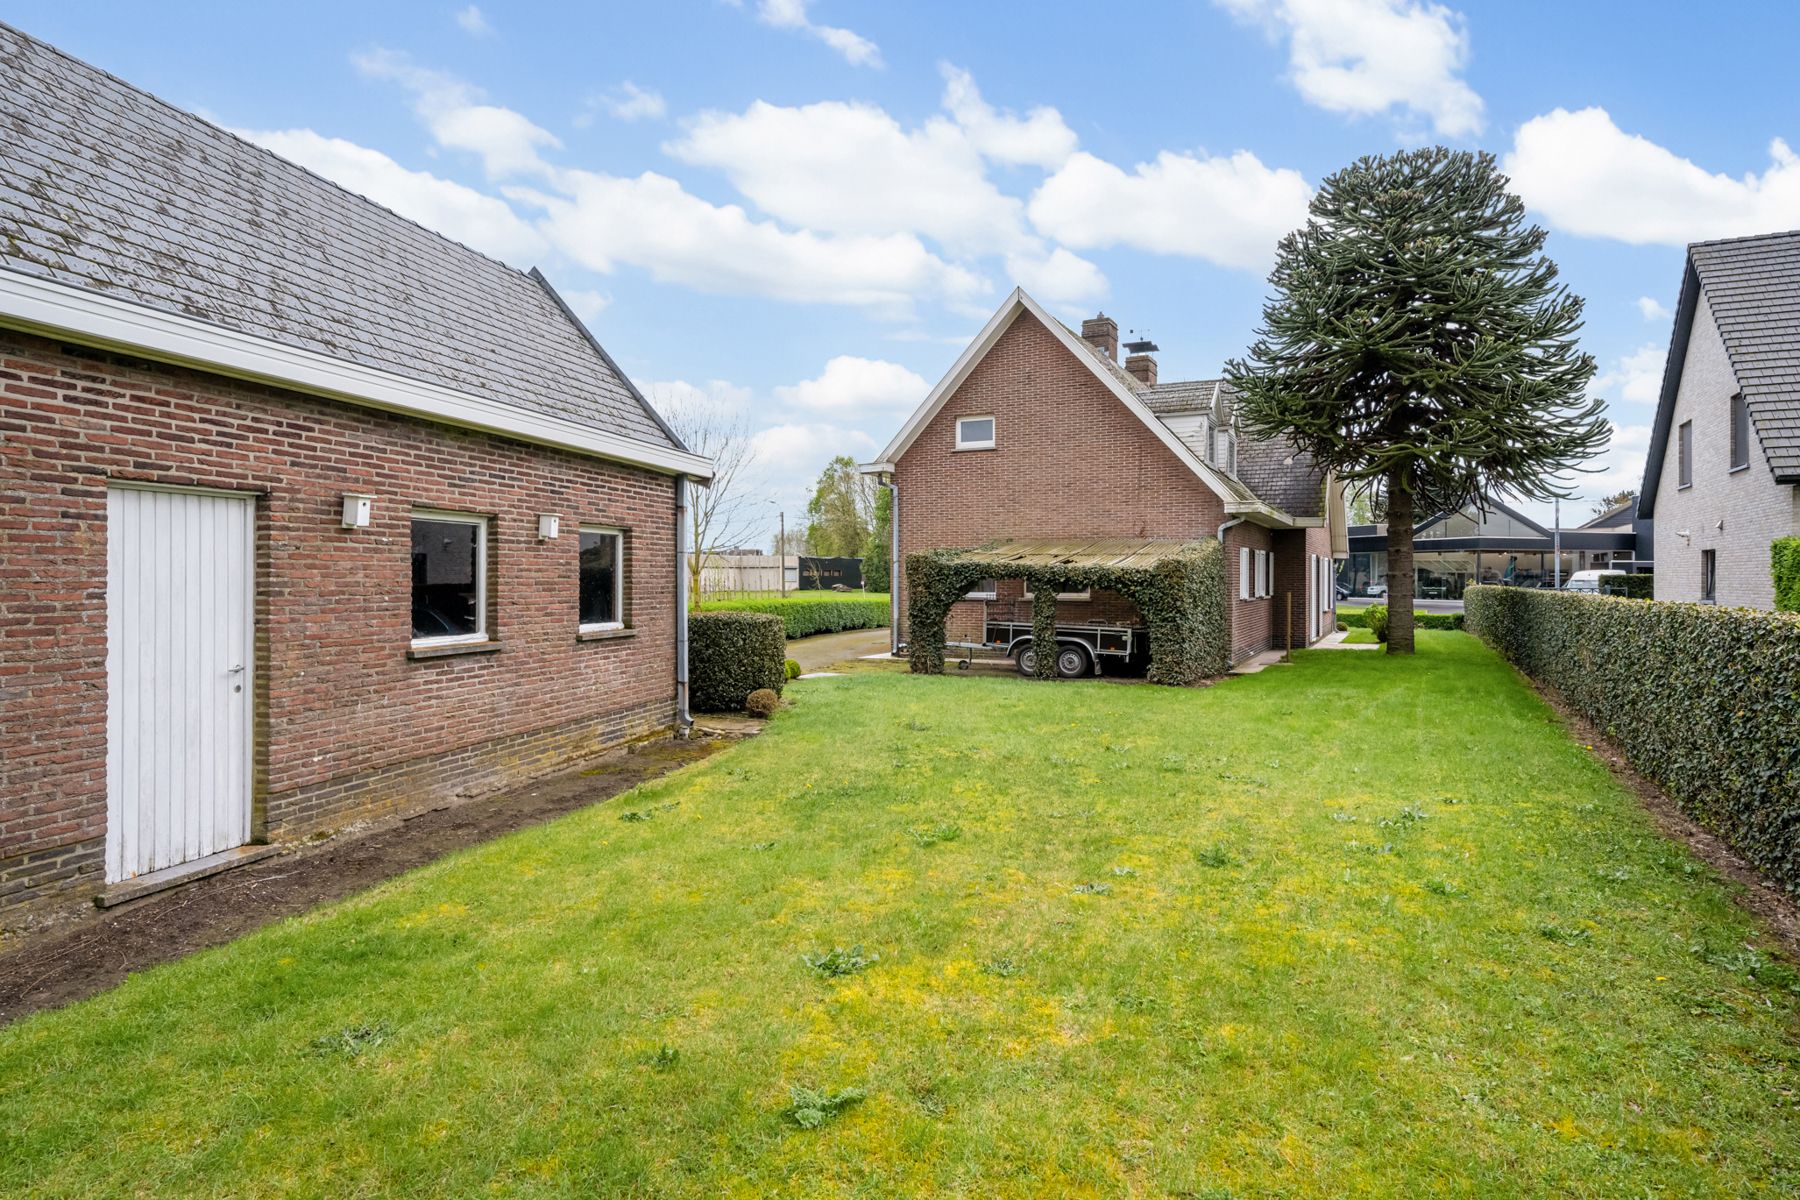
1741, 467
604, 633
974, 446
447, 647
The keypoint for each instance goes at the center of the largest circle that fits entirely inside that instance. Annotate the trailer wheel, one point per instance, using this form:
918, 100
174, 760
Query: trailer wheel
1026, 660
1071, 662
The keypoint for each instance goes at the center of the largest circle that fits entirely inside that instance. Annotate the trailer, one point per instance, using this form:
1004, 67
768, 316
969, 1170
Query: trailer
1081, 648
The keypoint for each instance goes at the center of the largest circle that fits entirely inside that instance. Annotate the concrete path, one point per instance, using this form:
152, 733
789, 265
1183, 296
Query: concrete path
829, 649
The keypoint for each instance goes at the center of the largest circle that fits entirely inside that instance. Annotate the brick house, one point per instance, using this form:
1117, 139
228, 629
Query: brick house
1038, 433
1722, 478
311, 514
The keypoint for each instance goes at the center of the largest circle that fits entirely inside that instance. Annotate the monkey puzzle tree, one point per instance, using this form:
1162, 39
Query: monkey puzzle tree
1419, 343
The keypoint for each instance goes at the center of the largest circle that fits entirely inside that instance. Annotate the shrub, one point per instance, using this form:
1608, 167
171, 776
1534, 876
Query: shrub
814, 612
730, 655
1358, 618
762, 703
1181, 599
791, 669
1701, 698
1784, 561
1638, 587
1377, 618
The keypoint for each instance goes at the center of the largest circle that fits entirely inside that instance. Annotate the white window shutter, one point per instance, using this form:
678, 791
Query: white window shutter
1243, 572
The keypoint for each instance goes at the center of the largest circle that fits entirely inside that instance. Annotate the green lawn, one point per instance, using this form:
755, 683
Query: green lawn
1240, 941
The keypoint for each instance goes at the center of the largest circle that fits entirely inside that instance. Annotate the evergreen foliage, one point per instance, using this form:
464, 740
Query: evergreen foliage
1419, 342
841, 511
875, 552
730, 655
809, 613
1784, 562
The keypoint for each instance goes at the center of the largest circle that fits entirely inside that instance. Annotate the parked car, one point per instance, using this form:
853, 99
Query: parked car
1587, 582
1376, 589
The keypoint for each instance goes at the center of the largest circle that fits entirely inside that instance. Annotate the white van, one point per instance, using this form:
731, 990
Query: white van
1587, 581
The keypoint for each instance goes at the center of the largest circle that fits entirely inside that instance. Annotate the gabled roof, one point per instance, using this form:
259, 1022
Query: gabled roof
122, 218
1622, 513
1239, 499
1753, 287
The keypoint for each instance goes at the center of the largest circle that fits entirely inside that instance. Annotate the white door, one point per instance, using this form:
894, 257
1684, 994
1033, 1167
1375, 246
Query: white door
179, 639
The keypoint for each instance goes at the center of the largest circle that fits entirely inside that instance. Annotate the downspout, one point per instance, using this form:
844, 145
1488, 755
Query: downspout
684, 722
1230, 608
893, 565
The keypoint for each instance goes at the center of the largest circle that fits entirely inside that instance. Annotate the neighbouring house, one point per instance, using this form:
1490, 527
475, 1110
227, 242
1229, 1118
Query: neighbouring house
1039, 435
1723, 475
311, 514
1497, 544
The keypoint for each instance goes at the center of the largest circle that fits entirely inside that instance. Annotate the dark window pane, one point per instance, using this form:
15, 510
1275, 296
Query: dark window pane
1684, 458
444, 602
1740, 432
599, 578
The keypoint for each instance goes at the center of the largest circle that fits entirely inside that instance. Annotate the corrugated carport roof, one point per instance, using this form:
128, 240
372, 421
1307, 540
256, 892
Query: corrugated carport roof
1128, 553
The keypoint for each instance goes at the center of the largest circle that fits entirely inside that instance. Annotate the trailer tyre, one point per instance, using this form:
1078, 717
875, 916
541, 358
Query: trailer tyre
1026, 660
1071, 662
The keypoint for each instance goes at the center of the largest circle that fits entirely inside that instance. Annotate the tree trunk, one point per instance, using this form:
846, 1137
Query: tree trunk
1400, 561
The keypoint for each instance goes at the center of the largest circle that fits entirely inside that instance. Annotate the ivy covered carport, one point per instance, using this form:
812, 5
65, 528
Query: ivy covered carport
1177, 586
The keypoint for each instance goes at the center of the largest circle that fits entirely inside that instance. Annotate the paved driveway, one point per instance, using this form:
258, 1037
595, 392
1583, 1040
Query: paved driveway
829, 649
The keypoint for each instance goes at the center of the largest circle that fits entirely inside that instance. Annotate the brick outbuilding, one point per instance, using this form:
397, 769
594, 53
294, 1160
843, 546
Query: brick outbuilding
311, 514
1039, 433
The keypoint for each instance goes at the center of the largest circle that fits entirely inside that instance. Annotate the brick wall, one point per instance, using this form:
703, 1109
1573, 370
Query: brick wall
338, 702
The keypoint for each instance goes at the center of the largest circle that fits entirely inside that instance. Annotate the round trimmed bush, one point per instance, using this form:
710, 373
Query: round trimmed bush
1377, 616
730, 655
762, 703
793, 669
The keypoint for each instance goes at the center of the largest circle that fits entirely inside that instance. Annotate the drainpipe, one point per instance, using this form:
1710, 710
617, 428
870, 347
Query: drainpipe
684, 723
893, 565
1230, 586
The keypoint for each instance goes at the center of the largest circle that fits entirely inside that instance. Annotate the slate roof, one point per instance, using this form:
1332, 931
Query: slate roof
1274, 471
105, 187
1753, 285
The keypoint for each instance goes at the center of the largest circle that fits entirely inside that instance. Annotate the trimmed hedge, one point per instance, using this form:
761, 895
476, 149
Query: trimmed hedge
1704, 700
1638, 587
730, 655
1181, 598
1358, 618
815, 612
1784, 562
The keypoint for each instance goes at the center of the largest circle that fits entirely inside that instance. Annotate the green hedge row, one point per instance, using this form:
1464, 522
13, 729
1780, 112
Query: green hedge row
1784, 561
730, 655
1704, 700
1638, 587
808, 613
1358, 618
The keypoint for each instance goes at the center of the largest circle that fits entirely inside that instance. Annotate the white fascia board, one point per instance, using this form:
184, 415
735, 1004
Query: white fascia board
972, 354
876, 468
76, 314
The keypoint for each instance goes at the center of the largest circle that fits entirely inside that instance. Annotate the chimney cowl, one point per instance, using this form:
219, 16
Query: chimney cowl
1103, 332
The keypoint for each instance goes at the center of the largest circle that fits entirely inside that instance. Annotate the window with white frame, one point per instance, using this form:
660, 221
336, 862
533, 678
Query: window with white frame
449, 577
987, 589
974, 433
602, 589
1262, 573
1243, 572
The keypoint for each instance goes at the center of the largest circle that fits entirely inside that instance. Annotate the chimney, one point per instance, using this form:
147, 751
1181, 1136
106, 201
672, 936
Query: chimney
1103, 332
1143, 366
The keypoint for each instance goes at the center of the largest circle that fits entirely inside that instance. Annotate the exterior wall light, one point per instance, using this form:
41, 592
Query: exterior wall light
356, 510
549, 525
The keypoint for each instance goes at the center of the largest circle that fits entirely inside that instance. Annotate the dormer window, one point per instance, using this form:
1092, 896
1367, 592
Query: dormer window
975, 433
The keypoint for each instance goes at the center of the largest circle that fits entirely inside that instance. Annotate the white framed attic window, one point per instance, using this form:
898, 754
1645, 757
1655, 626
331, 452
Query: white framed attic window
974, 433
449, 578
601, 599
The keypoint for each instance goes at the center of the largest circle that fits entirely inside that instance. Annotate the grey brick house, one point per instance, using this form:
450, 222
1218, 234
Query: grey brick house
1723, 475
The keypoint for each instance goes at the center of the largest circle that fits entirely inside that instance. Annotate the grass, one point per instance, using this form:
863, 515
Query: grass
1349, 927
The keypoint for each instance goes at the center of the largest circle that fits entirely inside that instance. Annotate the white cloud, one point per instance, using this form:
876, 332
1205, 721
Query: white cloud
1227, 210
673, 395
1637, 377
802, 448
506, 142
1653, 309
851, 168
458, 212
473, 21
853, 387
1620, 467
1364, 57
1040, 138
587, 303
1589, 177
601, 221
627, 102
1059, 277
857, 50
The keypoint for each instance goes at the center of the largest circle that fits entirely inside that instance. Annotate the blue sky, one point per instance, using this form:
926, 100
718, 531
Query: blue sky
799, 210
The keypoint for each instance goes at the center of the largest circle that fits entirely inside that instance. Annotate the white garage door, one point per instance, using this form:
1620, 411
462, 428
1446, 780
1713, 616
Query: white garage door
179, 654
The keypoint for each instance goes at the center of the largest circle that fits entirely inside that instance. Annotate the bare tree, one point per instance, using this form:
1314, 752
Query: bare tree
721, 514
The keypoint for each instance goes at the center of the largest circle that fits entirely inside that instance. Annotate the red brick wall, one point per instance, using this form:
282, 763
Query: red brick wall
1069, 461
346, 723
1254, 625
